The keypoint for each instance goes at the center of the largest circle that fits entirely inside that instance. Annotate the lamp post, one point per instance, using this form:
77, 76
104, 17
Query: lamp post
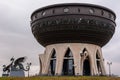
28, 67
109, 64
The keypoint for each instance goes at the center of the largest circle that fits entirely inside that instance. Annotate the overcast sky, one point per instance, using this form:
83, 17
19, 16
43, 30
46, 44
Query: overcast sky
17, 40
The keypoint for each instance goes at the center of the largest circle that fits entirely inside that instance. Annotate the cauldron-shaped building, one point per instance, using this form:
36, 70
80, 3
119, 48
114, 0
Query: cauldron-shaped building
73, 35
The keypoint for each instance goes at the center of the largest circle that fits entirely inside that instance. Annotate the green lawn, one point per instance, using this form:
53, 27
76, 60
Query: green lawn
60, 78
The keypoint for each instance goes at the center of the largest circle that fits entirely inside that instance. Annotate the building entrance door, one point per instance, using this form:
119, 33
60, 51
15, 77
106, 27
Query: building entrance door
86, 67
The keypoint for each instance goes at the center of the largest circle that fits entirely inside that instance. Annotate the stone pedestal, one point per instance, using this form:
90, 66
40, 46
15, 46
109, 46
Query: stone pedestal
5, 75
17, 73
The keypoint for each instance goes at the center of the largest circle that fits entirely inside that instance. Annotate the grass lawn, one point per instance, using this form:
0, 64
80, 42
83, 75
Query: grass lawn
61, 78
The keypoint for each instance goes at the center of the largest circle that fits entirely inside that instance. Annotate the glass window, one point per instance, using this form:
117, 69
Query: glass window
68, 53
68, 64
97, 55
112, 17
43, 13
102, 12
109, 15
53, 11
98, 61
86, 67
78, 10
53, 62
53, 54
91, 11
36, 15
83, 52
66, 10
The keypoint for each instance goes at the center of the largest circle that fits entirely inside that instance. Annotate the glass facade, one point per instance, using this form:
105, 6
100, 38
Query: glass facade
53, 63
68, 64
86, 67
98, 63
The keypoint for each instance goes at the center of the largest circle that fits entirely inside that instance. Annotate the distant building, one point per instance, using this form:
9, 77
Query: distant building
73, 35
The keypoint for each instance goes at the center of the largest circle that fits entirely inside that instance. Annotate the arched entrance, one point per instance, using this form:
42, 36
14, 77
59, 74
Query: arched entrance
86, 62
68, 63
98, 63
86, 67
53, 63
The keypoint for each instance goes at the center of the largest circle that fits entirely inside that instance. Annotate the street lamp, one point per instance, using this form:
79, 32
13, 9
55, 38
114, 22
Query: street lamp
109, 64
28, 67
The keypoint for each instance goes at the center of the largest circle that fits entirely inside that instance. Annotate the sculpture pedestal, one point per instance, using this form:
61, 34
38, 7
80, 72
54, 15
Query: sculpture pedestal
5, 75
17, 73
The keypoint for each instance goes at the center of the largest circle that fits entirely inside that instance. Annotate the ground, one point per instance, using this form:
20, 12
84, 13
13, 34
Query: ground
61, 78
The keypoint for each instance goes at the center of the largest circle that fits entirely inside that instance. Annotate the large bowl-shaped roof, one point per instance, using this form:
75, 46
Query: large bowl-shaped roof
73, 23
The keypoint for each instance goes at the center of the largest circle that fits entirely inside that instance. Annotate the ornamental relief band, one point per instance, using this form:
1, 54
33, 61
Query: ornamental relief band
73, 21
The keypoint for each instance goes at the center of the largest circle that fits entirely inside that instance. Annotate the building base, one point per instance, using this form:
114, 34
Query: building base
72, 59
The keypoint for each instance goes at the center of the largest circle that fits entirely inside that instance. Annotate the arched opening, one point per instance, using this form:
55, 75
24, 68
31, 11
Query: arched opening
86, 62
68, 63
84, 52
40, 66
86, 66
98, 63
53, 63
